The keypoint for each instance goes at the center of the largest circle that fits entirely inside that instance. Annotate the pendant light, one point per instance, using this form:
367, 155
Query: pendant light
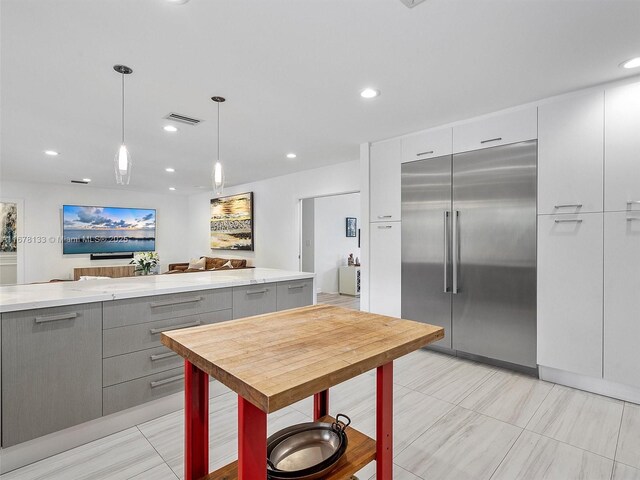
217, 174
122, 160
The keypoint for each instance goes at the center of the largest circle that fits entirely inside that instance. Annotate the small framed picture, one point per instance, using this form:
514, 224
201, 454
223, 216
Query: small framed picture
352, 227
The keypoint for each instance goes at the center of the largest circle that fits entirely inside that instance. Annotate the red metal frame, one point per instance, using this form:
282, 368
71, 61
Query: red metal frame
252, 441
196, 424
320, 405
384, 422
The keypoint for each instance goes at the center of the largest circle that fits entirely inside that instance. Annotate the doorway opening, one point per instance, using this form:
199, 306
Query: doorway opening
330, 246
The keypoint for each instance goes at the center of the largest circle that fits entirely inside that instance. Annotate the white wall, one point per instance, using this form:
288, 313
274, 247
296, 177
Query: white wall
332, 246
276, 213
42, 217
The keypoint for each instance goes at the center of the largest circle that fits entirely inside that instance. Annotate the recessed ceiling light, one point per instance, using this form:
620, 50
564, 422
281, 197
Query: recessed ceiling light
86, 180
291, 155
369, 93
633, 63
170, 128
170, 170
172, 188
53, 153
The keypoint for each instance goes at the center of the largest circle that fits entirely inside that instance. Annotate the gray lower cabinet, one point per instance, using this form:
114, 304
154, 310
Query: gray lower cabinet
51, 370
294, 294
141, 390
123, 368
254, 300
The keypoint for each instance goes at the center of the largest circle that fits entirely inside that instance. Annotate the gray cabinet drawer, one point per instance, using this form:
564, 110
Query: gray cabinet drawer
136, 392
51, 370
120, 313
254, 300
142, 336
123, 368
293, 294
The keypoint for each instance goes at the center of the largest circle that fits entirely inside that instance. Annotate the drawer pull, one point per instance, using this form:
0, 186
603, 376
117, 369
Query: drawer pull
256, 292
633, 219
55, 318
497, 139
424, 153
168, 303
154, 331
569, 205
295, 287
385, 216
166, 381
575, 220
160, 356
385, 226
633, 202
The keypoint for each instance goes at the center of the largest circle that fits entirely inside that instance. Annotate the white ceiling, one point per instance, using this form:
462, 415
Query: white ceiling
291, 71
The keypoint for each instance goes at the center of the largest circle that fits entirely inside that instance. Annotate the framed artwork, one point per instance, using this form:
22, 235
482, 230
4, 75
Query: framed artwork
232, 222
352, 228
8, 225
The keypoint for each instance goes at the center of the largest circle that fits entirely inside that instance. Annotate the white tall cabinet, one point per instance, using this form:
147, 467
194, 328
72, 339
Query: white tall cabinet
384, 175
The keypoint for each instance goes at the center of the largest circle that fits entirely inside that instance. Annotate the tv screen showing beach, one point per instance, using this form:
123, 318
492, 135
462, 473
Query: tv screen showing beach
107, 229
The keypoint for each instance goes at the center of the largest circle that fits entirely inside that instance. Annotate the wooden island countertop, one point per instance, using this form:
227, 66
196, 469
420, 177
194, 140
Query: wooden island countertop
276, 359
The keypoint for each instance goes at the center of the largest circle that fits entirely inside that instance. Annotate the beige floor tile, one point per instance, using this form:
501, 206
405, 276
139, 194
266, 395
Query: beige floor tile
534, 457
581, 419
413, 367
463, 445
507, 396
399, 473
629, 441
451, 381
122, 455
625, 472
161, 472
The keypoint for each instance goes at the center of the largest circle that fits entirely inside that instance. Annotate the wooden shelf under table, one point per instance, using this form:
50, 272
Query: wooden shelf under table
360, 451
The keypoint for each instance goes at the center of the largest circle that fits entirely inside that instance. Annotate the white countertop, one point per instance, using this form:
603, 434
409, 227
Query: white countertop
25, 297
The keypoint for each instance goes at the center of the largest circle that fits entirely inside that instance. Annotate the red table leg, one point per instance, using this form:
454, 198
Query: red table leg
384, 422
320, 405
252, 441
196, 422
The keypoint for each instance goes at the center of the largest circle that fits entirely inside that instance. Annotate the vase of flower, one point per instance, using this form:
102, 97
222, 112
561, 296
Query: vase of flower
145, 262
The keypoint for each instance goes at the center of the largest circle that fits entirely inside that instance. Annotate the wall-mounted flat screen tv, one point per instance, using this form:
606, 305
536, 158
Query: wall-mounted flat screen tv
107, 229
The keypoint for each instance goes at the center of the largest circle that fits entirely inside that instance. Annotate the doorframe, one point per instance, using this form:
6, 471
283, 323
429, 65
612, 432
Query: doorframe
299, 215
20, 268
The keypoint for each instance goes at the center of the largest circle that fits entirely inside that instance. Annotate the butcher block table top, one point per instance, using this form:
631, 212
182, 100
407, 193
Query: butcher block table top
276, 359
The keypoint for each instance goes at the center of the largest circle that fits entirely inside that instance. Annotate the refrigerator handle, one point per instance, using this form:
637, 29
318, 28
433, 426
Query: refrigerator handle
456, 250
446, 250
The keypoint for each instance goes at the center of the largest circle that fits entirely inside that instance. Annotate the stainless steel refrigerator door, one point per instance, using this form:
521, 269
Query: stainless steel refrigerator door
426, 207
494, 200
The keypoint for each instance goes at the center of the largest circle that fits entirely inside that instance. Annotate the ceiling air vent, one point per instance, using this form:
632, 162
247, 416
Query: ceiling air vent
176, 117
412, 3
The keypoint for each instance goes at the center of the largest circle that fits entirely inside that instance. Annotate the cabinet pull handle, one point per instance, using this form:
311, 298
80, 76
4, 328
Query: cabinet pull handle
384, 226
55, 318
160, 356
295, 287
424, 153
155, 331
168, 303
568, 205
573, 220
385, 216
491, 140
256, 292
633, 219
159, 383
633, 202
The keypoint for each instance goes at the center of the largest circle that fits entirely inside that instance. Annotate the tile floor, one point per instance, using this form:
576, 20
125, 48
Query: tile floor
454, 420
344, 301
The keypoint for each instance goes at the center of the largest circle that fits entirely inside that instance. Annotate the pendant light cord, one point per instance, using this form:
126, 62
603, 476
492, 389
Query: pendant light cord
122, 108
218, 131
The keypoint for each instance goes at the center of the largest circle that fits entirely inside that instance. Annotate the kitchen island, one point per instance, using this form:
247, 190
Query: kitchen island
76, 353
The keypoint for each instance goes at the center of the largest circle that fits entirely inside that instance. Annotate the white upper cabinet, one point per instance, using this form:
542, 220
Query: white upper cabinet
385, 268
501, 129
570, 282
429, 144
571, 155
621, 297
384, 185
622, 148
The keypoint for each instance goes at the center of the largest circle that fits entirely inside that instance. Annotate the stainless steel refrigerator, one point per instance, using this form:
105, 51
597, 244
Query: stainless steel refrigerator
469, 250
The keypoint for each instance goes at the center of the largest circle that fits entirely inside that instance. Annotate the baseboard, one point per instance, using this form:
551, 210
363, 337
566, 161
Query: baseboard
591, 384
58, 442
